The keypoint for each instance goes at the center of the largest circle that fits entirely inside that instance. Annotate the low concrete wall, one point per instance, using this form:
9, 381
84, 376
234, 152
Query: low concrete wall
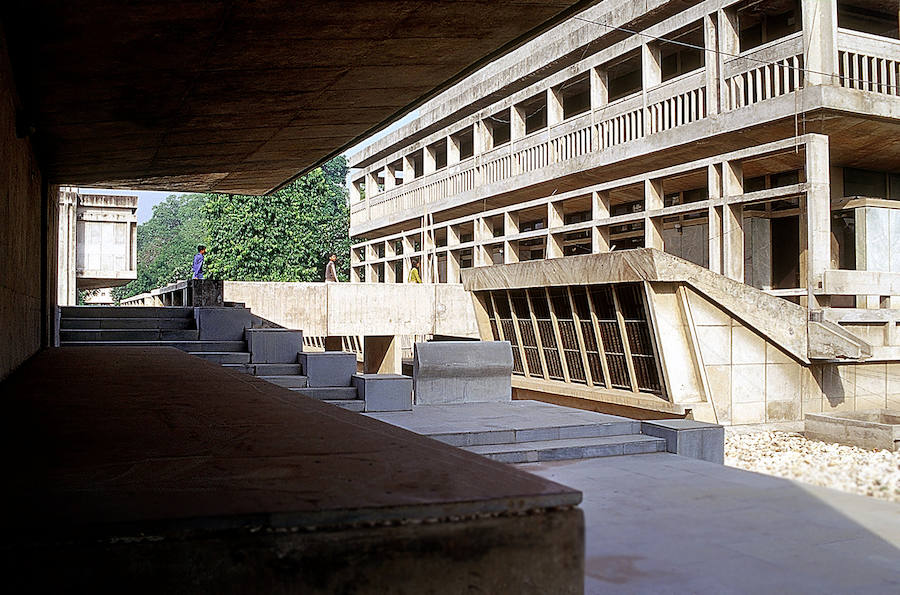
360, 309
462, 372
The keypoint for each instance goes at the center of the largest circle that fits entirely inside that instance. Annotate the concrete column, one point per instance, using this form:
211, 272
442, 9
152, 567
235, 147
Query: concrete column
453, 266
382, 355
817, 218
510, 223
711, 59
409, 170
599, 212
371, 184
819, 41
555, 112
555, 217
714, 213
484, 142
481, 234
599, 87
453, 235
452, 150
516, 123
554, 245
389, 181
428, 162
733, 222
511, 252
651, 69
729, 45
653, 226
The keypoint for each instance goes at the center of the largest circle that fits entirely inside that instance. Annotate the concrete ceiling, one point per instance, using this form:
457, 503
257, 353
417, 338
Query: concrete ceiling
236, 96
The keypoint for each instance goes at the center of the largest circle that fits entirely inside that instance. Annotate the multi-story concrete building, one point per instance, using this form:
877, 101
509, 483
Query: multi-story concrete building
757, 140
97, 244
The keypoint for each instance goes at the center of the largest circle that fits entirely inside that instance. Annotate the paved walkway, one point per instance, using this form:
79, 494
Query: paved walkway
661, 523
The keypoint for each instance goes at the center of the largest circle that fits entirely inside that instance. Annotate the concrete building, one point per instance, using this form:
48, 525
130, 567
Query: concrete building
97, 244
754, 141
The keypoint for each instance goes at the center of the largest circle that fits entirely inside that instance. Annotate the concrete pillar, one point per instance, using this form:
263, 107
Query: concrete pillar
371, 184
711, 59
484, 142
599, 212
817, 219
510, 223
555, 113
714, 214
653, 226
482, 233
651, 68
333, 343
511, 252
599, 87
428, 162
453, 150
733, 222
516, 123
729, 36
409, 169
382, 355
555, 217
819, 41
389, 181
453, 266
554, 245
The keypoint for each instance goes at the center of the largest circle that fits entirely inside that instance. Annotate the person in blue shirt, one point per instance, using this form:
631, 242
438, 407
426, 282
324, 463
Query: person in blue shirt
198, 262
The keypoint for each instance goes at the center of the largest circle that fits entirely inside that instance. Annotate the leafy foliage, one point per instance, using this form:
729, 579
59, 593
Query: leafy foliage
286, 236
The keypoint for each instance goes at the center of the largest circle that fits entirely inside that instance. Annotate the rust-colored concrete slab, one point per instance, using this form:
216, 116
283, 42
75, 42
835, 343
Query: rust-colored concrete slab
102, 440
118, 93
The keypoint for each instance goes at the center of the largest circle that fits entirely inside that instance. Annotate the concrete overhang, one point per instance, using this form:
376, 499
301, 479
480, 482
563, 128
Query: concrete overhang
237, 96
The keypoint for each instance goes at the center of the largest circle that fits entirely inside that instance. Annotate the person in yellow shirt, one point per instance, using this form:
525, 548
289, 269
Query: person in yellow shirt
414, 273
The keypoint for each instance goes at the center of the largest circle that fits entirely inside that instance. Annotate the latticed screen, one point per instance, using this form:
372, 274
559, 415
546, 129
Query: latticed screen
597, 335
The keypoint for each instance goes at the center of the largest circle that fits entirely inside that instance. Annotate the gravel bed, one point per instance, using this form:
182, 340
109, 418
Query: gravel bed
873, 473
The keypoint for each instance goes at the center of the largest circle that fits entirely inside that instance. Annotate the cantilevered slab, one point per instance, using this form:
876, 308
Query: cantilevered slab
236, 96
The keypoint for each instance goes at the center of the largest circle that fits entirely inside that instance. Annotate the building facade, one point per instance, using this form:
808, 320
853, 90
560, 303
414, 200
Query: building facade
754, 140
97, 244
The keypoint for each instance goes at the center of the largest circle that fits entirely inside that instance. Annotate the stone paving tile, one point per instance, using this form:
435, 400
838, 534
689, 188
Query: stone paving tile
660, 523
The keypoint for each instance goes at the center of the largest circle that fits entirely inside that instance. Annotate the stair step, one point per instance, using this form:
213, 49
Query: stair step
276, 369
126, 312
223, 357
294, 381
191, 346
573, 448
126, 323
329, 393
562, 432
357, 405
128, 334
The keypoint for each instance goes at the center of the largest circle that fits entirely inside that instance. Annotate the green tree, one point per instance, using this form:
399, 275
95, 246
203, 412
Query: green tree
166, 244
286, 236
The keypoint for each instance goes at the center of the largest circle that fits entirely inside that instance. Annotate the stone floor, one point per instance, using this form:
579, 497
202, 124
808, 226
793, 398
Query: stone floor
661, 523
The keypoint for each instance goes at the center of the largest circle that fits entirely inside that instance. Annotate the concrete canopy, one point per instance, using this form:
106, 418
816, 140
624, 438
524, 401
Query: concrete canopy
236, 96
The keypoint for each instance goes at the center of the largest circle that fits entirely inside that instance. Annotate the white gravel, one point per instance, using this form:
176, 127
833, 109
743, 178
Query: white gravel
873, 473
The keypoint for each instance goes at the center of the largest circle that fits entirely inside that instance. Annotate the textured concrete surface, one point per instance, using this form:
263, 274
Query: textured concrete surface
446, 372
222, 324
689, 438
384, 392
328, 368
274, 346
152, 99
662, 523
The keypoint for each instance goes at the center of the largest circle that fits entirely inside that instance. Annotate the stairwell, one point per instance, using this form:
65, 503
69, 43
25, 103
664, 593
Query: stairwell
172, 326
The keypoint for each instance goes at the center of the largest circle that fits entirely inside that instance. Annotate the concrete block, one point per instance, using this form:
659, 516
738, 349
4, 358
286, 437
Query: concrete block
447, 372
222, 324
689, 438
384, 392
207, 292
274, 346
328, 368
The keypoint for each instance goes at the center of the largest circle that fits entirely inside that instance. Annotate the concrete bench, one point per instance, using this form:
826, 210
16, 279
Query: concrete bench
447, 372
328, 368
274, 345
689, 438
384, 392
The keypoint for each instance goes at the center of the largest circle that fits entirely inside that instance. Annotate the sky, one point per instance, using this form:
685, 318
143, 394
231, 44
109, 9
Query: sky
147, 199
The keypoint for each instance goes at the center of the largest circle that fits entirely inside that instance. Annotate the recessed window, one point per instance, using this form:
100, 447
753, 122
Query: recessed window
869, 16
624, 76
761, 22
683, 56
417, 160
534, 111
498, 125
439, 151
575, 95
464, 141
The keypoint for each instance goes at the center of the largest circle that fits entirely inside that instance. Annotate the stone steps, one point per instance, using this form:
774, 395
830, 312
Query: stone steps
190, 346
126, 312
126, 323
266, 369
570, 449
542, 433
291, 381
357, 405
223, 357
145, 334
329, 393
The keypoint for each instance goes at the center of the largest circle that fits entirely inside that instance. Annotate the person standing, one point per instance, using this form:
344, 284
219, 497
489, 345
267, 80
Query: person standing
414, 273
198, 262
331, 269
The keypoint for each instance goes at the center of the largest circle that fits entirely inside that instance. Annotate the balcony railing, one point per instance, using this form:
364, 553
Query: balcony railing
771, 70
868, 62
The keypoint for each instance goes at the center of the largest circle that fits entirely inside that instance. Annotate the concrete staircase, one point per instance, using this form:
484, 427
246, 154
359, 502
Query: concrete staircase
142, 326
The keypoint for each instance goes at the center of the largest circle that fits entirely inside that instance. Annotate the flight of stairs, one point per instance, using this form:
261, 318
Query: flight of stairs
557, 442
143, 326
